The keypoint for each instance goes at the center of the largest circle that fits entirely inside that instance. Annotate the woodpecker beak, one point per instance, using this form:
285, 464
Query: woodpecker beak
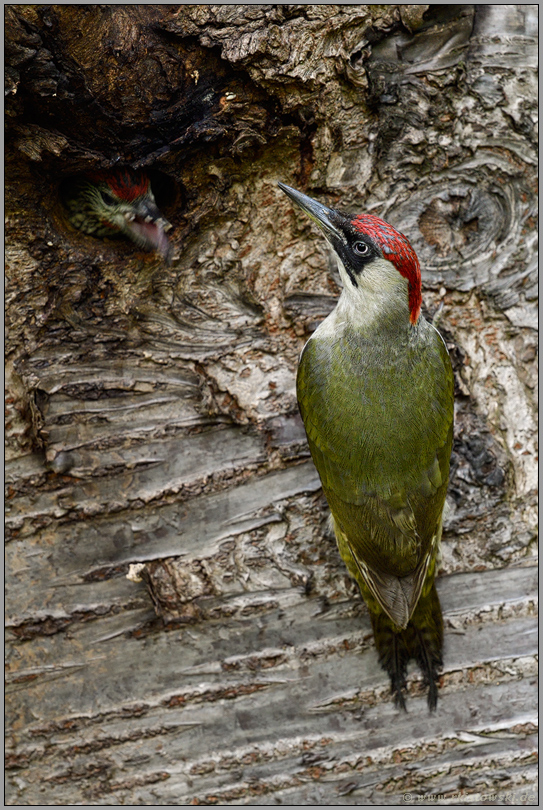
149, 227
326, 218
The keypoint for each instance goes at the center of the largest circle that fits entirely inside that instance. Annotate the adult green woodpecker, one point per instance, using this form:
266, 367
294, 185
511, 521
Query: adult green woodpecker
375, 390
119, 202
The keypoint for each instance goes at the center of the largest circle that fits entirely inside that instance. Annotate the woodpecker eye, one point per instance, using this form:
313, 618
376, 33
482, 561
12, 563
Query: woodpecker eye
361, 249
107, 198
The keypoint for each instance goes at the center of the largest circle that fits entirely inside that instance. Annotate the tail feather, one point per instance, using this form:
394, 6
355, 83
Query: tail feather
399, 671
422, 640
427, 644
393, 653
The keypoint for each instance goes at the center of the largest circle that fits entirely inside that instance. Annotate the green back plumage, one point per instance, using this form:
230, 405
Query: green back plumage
378, 415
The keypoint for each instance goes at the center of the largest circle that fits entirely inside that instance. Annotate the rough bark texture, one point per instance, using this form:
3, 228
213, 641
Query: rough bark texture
152, 422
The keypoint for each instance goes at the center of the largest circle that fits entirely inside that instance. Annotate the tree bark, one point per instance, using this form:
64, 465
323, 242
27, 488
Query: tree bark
181, 628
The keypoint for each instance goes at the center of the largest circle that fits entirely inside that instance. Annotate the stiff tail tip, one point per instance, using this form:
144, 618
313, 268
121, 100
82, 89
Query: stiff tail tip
422, 640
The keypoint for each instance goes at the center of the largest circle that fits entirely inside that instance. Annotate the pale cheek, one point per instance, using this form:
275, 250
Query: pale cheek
382, 276
378, 280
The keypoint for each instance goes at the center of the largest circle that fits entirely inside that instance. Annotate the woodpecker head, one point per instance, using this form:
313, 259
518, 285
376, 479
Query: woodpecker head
378, 267
118, 202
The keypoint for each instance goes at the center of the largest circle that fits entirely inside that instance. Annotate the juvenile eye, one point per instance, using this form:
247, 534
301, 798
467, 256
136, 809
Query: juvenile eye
361, 249
107, 198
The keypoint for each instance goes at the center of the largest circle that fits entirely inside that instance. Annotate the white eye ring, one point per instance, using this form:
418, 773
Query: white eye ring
360, 248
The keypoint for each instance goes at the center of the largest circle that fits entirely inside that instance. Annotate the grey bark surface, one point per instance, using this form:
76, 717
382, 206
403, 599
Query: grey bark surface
180, 627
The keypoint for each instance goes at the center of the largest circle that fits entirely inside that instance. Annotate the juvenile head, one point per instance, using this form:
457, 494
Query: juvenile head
379, 268
119, 202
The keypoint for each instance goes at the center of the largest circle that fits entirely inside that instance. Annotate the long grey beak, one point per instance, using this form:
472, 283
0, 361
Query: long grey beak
149, 212
320, 214
147, 229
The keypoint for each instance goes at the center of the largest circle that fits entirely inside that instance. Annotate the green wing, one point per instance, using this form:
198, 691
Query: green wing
379, 427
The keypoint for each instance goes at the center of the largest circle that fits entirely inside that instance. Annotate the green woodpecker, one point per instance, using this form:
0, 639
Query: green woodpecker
375, 390
119, 202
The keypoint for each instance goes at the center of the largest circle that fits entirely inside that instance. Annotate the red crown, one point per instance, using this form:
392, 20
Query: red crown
127, 184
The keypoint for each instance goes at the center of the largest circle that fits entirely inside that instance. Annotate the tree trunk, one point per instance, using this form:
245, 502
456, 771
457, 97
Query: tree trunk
182, 629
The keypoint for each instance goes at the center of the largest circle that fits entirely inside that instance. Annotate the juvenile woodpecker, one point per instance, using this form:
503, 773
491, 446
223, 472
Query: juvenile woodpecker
375, 391
119, 202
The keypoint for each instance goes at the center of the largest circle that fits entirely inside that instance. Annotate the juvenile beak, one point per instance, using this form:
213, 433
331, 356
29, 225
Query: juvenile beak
148, 229
326, 218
